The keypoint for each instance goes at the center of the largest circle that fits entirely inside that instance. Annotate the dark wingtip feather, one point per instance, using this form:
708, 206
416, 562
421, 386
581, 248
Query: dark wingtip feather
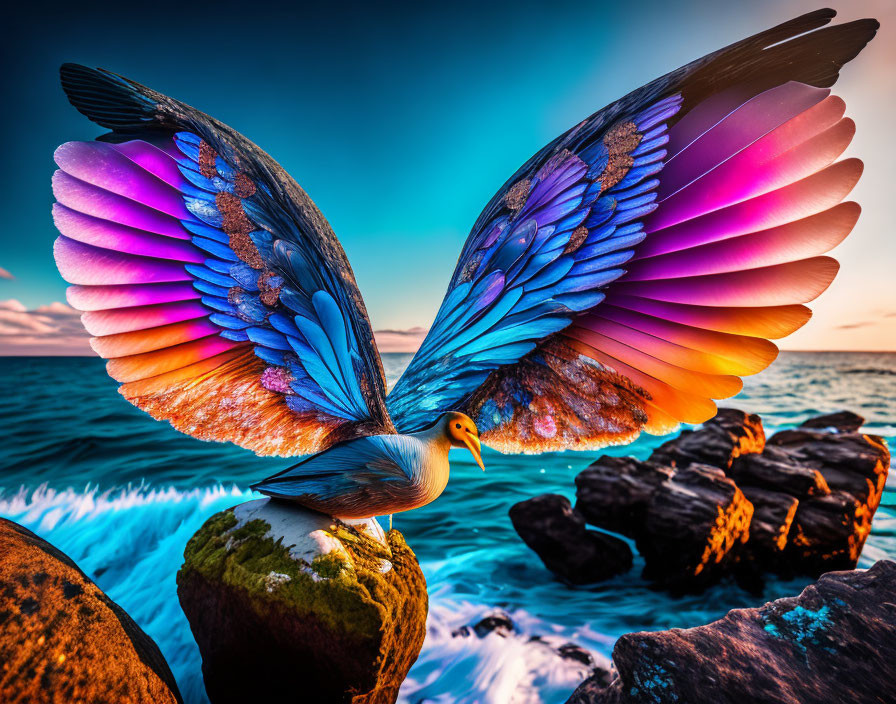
105, 98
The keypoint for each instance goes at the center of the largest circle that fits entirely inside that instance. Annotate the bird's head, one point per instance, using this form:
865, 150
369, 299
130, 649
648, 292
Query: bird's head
462, 432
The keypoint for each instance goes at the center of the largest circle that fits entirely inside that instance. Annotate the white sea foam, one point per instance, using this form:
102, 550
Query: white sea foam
131, 540
523, 667
46, 506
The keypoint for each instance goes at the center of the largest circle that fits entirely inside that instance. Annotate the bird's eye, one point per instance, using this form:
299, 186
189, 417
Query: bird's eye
457, 425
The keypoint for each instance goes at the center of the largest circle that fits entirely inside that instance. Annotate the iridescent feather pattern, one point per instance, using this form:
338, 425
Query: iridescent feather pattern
215, 311
557, 235
627, 276
734, 193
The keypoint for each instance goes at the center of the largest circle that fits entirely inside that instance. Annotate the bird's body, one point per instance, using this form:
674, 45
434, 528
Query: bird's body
622, 279
373, 475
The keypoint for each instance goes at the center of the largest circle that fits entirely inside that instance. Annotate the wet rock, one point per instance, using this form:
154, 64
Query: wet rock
571, 651
851, 462
777, 471
497, 622
62, 639
597, 689
694, 520
549, 525
835, 642
613, 492
841, 421
281, 598
773, 514
828, 533
731, 434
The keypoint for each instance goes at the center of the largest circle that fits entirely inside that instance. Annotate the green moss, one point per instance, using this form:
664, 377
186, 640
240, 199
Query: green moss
350, 599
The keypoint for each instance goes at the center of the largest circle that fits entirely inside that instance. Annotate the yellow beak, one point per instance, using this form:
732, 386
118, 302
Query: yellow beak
475, 448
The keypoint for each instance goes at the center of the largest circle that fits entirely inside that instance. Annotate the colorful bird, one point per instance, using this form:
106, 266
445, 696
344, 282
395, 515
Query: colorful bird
627, 275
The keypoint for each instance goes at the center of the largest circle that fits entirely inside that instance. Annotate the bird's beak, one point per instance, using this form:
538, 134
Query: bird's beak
475, 448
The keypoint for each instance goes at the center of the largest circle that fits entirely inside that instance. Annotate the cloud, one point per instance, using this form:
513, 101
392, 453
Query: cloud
399, 340
853, 326
4, 274
53, 329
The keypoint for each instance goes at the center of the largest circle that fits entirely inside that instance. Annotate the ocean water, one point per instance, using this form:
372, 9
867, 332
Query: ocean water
121, 494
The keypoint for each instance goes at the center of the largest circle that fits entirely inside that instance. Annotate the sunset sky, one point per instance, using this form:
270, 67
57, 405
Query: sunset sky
402, 122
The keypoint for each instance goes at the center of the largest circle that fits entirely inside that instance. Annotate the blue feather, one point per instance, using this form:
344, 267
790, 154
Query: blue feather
268, 338
218, 249
206, 274
203, 230
228, 321
219, 304
270, 356
210, 289
206, 211
580, 301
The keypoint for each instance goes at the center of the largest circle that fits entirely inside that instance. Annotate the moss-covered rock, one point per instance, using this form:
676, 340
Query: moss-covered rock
290, 603
62, 639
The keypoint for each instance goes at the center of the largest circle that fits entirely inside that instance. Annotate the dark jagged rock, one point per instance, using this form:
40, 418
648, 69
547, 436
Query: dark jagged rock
62, 639
851, 462
813, 492
841, 421
835, 642
571, 651
497, 622
281, 598
776, 471
549, 525
828, 533
773, 514
693, 522
731, 434
613, 492
597, 689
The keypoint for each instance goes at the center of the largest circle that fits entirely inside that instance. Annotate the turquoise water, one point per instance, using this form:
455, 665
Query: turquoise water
122, 494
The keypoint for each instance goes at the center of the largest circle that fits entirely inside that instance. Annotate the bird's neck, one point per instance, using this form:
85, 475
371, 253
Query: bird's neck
435, 437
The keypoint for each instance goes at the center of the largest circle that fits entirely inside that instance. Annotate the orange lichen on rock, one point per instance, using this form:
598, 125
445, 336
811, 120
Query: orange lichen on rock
62, 639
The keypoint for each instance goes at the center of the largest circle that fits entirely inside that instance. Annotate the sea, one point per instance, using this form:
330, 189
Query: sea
121, 494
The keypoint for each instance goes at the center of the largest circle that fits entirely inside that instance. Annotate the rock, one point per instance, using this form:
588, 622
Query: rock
571, 651
835, 642
777, 471
63, 639
549, 525
841, 421
613, 492
851, 462
597, 689
731, 434
773, 514
282, 598
829, 532
497, 622
694, 520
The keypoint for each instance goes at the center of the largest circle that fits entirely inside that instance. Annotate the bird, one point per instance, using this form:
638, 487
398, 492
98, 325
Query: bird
621, 281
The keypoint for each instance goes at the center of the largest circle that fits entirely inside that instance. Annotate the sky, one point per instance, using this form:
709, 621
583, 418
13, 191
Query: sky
401, 121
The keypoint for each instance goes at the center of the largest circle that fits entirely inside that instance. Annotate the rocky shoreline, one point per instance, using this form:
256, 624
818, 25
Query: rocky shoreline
718, 500
285, 602
835, 642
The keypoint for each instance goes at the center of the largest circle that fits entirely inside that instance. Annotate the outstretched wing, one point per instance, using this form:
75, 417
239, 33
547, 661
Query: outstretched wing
211, 282
637, 266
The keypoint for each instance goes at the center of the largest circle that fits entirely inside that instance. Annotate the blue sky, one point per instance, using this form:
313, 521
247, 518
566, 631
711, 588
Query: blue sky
401, 121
